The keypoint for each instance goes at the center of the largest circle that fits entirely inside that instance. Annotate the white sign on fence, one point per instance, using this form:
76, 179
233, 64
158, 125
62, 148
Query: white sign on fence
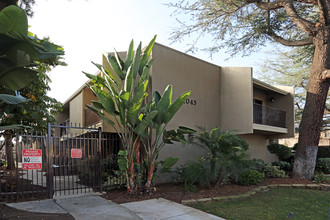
32, 159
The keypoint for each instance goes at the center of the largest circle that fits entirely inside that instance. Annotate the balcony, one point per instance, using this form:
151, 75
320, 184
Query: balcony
269, 116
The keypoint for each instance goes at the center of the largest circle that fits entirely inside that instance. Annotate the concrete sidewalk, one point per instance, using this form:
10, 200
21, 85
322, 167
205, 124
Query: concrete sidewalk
164, 209
81, 207
92, 206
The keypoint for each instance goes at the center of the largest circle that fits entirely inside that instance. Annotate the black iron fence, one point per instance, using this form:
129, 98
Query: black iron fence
40, 166
269, 116
19, 180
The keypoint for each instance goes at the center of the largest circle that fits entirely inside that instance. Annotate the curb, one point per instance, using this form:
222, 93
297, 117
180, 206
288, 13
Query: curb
257, 190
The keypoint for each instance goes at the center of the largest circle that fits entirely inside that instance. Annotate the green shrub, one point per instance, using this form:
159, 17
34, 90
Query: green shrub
321, 178
226, 151
273, 172
258, 165
88, 171
282, 152
323, 152
283, 165
195, 174
323, 165
250, 177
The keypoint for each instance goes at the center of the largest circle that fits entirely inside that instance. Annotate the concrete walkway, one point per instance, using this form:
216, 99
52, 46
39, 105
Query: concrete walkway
81, 207
92, 206
164, 209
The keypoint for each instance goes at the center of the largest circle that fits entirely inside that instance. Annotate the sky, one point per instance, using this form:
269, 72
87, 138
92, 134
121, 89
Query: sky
87, 28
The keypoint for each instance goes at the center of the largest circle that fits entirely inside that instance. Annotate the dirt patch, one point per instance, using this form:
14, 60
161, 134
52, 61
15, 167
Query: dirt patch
176, 192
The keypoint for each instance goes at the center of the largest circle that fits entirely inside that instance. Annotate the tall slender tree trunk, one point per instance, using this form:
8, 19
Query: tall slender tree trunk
310, 126
9, 150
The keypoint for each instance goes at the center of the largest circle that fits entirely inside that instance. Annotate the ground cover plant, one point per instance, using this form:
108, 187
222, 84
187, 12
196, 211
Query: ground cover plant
274, 204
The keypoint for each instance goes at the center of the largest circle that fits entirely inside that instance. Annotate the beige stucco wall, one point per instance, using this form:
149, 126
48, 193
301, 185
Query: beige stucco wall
258, 147
260, 95
236, 99
186, 73
76, 112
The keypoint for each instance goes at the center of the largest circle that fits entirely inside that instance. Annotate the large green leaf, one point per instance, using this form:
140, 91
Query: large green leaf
123, 160
172, 110
146, 54
100, 114
49, 52
140, 93
20, 51
133, 113
145, 122
17, 78
129, 56
116, 66
12, 127
119, 60
98, 105
105, 100
128, 85
136, 61
122, 112
164, 103
13, 21
185, 130
13, 100
124, 98
145, 73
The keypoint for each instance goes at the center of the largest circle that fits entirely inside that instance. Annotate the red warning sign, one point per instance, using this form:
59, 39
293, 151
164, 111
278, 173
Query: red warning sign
32, 159
76, 153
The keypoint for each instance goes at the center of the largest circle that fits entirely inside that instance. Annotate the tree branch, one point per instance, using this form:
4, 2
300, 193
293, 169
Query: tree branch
301, 23
325, 75
313, 2
324, 12
270, 5
290, 43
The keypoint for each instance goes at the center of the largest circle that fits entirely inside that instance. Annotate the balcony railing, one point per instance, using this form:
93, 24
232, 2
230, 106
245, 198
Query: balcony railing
269, 116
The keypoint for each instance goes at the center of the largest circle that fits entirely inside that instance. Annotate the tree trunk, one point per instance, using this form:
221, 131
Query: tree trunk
310, 126
9, 150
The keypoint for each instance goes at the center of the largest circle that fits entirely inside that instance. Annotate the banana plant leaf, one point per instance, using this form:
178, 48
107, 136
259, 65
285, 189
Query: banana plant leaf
17, 78
145, 122
172, 110
13, 127
116, 67
129, 56
164, 103
146, 54
100, 114
136, 61
13, 21
106, 101
12, 100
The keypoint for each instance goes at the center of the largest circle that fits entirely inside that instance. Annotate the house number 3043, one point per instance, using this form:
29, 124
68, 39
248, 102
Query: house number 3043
191, 102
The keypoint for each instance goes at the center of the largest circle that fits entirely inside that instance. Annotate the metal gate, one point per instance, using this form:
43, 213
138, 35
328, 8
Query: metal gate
72, 160
75, 157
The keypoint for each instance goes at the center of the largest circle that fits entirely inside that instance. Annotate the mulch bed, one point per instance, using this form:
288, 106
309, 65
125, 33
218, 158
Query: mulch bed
176, 192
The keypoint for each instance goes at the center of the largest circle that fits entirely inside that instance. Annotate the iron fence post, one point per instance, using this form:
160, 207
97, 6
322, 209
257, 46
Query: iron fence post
50, 173
99, 153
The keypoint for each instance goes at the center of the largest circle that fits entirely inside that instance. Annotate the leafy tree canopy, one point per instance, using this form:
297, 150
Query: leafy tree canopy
245, 25
292, 68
